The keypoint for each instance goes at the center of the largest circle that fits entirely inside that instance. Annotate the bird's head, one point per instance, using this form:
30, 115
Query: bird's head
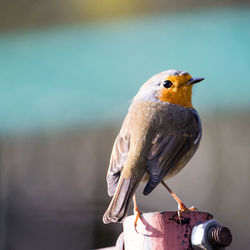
170, 86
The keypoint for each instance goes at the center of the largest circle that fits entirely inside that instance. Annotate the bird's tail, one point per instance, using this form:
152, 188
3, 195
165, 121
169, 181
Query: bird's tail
118, 206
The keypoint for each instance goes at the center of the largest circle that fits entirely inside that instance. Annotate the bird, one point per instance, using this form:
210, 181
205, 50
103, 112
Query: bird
159, 135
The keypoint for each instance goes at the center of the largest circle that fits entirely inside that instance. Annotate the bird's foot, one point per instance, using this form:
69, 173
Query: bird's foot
137, 213
183, 208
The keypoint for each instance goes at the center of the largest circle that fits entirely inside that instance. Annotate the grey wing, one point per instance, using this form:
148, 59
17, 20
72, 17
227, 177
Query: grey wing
168, 151
117, 160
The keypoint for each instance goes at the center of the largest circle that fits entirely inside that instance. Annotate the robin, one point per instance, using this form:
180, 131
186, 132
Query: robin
159, 135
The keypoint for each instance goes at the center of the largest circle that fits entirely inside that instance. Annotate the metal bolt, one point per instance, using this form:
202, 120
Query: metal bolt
219, 236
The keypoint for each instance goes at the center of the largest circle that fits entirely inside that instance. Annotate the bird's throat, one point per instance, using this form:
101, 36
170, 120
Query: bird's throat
180, 96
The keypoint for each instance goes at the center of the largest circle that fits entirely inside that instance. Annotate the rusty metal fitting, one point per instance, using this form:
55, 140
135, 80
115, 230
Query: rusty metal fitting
219, 236
210, 235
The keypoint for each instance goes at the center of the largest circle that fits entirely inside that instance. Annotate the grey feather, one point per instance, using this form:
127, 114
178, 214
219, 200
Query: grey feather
171, 152
118, 158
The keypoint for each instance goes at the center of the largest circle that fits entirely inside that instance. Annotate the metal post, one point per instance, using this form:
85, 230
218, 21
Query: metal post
164, 230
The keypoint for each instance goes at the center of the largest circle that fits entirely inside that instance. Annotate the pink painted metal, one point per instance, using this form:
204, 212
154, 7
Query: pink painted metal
162, 230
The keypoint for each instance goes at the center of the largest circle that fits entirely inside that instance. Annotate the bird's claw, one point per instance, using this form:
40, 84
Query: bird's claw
183, 208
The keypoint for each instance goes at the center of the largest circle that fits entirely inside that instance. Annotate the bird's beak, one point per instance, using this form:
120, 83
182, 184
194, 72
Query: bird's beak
194, 80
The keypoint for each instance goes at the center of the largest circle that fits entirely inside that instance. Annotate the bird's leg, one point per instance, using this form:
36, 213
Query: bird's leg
137, 212
181, 205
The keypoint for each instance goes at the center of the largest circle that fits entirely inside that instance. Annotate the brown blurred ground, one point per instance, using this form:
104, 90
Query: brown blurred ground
55, 190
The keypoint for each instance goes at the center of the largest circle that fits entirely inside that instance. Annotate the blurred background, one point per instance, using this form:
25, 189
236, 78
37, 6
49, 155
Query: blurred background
68, 70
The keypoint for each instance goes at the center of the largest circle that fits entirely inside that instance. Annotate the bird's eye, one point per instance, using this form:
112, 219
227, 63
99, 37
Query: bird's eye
167, 84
